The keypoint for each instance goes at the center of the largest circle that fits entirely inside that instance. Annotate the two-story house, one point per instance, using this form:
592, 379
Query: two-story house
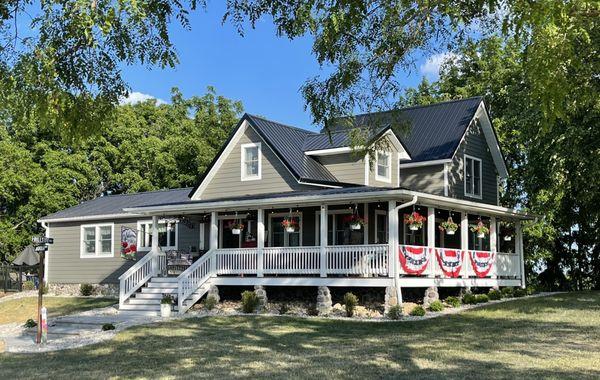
283, 206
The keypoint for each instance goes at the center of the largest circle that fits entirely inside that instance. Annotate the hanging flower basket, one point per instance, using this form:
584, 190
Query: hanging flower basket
290, 225
414, 221
449, 226
480, 229
236, 227
355, 222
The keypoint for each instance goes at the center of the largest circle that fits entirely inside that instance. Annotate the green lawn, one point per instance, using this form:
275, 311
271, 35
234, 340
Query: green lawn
550, 337
20, 310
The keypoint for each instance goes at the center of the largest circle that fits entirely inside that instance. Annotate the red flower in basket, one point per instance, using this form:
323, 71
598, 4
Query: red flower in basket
414, 220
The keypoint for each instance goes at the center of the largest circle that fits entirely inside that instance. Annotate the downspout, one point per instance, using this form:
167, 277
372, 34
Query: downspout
44, 225
396, 271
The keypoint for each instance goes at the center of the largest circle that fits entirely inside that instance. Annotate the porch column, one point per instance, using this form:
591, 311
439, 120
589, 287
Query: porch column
519, 250
366, 226
392, 239
214, 240
154, 246
431, 240
323, 240
464, 242
494, 245
260, 241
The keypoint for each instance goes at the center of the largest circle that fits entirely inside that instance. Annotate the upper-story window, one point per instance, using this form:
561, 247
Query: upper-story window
472, 177
96, 240
383, 169
251, 161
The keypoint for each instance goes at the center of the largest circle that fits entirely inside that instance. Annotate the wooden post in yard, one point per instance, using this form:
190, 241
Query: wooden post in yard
41, 285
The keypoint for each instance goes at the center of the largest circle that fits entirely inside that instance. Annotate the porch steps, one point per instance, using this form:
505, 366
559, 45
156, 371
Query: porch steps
147, 301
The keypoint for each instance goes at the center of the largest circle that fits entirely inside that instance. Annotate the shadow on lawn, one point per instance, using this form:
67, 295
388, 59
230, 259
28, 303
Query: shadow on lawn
474, 344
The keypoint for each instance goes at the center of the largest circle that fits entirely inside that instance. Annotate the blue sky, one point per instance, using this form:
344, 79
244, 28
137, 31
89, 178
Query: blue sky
262, 70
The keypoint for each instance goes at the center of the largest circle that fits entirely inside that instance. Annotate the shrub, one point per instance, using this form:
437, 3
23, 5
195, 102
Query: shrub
395, 312
312, 310
495, 294
482, 298
108, 326
436, 305
86, 289
507, 292
469, 299
30, 323
418, 311
249, 301
283, 308
518, 292
210, 302
28, 285
453, 301
350, 302
531, 290
167, 299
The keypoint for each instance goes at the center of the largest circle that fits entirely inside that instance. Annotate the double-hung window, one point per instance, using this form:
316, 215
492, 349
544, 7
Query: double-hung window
251, 161
383, 168
472, 176
97, 240
167, 235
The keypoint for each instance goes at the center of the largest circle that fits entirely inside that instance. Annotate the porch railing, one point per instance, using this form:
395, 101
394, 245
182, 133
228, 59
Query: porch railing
236, 260
357, 259
193, 278
152, 264
508, 265
291, 260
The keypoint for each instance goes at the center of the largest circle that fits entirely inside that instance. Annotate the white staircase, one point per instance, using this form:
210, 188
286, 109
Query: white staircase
147, 300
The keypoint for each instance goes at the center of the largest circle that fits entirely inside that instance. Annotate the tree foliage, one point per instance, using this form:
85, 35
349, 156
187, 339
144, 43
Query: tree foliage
146, 147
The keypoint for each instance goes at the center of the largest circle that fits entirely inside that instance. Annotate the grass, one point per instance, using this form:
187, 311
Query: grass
20, 310
549, 337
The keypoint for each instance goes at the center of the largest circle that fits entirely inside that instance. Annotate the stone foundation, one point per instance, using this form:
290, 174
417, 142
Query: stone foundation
261, 293
324, 303
213, 291
431, 294
391, 298
100, 290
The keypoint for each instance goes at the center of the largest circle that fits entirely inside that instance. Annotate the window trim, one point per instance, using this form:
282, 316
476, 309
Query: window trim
244, 176
471, 192
388, 178
142, 247
286, 240
96, 255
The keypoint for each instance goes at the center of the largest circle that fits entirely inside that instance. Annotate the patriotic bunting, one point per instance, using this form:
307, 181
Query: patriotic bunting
450, 261
413, 259
481, 262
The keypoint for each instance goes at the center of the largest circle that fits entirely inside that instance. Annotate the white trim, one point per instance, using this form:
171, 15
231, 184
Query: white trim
201, 238
90, 217
397, 162
97, 241
286, 240
388, 177
425, 163
366, 159
471, 193
141, 237
490, 137
329, 151
378, 212
446, 183
333, 224
244, 176
319, 184
402, 153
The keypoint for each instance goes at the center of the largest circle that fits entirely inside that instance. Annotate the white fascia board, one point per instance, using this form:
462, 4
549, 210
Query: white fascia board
329, 151
425, 163
492, 141
402, 153
125, 215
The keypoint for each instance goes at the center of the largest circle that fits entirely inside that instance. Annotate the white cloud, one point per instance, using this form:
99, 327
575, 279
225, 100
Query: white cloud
431, 67
137, 97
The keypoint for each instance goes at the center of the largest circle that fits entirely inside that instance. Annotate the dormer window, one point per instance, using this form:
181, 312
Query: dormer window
472, 176
383, 171
251, 161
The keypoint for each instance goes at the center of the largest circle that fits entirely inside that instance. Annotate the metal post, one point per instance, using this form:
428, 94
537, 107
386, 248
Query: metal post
260, 241
431, 240
323, 239
464, 242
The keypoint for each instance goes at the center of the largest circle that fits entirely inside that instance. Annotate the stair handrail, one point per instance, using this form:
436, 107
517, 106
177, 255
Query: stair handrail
194, 277
152, 264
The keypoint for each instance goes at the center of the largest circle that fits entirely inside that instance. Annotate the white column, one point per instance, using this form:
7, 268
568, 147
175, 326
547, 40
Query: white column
431, 241
392, 239
519, 250
214, 231
260, 241
154, 233
366, 227
494, 245
323, 240
464, 242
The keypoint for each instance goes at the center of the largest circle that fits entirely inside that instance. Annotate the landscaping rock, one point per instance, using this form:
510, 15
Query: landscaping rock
431, 294
261, 293
324, 303
213, 291
391, 299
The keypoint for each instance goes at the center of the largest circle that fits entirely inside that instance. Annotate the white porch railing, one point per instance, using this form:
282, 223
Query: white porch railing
193, 278
152, 264
237, 260
357, 259
291, 260
508, 265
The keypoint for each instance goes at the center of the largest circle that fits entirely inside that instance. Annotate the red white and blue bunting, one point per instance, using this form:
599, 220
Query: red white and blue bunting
413, 259
482, 262
450, 261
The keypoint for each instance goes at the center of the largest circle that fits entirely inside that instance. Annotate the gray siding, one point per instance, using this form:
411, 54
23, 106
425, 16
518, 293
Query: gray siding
428, 179
345, 167
394, 169
474, 145
275, 176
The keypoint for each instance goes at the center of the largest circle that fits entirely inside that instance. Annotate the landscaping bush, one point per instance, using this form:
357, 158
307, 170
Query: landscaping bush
30, 323
482, 298
418, 311
507, 292
350, 302
28, 285
312, 310
249, 301
453, 301
167, 299
469, 299
518, 292
395, 312
108, 326
86, 289
283, 308
436, 305
210, 302
495, 294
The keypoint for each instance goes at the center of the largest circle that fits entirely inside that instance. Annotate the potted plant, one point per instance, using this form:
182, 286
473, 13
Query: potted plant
289, 224
449, 226
236, 227
480, 229
508, 232
414, 220
355, 221
166, 305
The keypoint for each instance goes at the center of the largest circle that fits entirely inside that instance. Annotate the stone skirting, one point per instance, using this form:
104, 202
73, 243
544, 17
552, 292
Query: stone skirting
105, 290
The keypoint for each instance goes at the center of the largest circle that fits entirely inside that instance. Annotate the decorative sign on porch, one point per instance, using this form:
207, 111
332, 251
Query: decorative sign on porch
450, 261
481, 262
413, 259
128, 243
